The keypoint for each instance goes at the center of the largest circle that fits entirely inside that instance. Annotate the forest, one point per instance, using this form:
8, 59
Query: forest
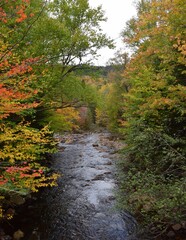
47, 77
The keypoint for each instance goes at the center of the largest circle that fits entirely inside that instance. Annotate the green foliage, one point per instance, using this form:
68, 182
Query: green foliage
155, 200
109, 111
108, 107
155, 115
67, 35
63, 120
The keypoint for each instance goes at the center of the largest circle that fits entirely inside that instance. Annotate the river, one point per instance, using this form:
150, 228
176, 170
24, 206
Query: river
83, 205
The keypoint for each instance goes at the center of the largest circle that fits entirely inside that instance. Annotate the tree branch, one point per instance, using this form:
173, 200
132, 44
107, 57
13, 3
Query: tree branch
25, 34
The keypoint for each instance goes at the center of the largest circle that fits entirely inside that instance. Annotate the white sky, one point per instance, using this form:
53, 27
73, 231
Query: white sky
117, 13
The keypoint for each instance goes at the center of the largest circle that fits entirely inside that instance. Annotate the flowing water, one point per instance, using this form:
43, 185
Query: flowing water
83, 205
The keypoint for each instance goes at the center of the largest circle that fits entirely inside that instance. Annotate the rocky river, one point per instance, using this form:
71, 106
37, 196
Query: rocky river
83, 205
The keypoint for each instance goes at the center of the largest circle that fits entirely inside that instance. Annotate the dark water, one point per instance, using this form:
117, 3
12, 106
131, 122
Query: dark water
82, 206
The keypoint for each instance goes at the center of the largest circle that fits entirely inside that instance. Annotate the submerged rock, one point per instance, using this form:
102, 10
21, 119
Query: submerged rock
18, 235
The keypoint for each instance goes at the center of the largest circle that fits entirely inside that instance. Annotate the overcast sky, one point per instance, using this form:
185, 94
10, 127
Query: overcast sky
117, 12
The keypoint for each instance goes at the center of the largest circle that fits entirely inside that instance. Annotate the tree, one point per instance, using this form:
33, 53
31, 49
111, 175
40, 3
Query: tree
155, 114
119, 61
22, 147
110, 110
70, 33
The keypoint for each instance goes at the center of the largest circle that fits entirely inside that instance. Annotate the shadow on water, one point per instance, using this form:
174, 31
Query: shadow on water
82, 206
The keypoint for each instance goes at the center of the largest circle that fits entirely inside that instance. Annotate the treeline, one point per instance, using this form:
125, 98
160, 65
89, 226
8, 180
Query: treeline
146, 102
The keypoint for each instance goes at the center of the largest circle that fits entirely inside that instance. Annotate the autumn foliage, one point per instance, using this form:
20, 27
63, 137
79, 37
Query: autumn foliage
155, 115
22, 147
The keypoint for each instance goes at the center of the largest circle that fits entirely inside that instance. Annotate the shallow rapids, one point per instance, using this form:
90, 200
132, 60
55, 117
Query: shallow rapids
83, 205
